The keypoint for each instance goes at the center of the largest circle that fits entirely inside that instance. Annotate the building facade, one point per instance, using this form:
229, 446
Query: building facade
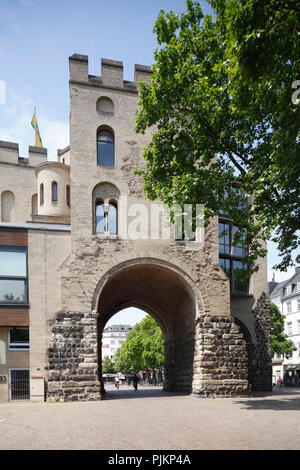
112, 338
85, 229
286, 296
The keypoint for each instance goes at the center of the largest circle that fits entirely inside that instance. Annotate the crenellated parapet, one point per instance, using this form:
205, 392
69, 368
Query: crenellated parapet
112, 75
9, 153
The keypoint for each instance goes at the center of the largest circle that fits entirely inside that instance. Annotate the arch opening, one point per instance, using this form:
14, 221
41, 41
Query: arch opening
167, 297
132, 344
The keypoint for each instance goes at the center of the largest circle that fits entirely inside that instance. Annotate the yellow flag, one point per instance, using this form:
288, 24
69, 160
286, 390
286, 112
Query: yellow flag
38, 140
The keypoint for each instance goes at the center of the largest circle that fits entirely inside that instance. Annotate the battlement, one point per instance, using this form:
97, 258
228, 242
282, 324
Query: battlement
9, 153
112, 75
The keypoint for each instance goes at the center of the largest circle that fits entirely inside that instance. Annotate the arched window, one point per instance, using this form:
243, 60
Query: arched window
105, 148
41, 194
7, 207
68, 196
112, 217
105, 106
34, 205
54, 191
100, 217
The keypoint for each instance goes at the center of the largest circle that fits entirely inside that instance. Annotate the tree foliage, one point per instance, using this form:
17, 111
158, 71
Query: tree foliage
281, 345
220, 106
107, 365
143, 348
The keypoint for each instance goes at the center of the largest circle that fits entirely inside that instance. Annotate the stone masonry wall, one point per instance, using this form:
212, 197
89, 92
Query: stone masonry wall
73, 358
221, 362
262, 350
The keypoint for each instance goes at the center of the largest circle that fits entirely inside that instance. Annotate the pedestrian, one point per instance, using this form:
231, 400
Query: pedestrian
135, 382
279, 382
117, 382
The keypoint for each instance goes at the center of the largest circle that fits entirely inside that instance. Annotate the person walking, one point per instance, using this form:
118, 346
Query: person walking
135, 382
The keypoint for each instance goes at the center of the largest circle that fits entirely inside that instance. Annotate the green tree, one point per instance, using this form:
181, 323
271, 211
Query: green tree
120, 361
143, 348
220, 106
107, 365
281, 345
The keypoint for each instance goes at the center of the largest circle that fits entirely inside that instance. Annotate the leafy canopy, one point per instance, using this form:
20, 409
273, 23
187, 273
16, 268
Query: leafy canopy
220, 106
107, 365
143, 348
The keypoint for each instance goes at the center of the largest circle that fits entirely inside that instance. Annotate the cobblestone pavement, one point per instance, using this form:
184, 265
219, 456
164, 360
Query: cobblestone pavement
152, 419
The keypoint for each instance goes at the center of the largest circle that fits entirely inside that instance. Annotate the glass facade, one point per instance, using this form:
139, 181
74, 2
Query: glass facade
13, 275
231, 257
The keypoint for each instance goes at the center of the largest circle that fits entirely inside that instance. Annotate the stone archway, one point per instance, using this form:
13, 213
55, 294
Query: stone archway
157, 288
204, 354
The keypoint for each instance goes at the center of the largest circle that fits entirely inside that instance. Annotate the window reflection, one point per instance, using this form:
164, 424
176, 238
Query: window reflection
105, 149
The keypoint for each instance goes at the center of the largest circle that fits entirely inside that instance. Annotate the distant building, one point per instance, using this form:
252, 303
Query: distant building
286, 295
112, 338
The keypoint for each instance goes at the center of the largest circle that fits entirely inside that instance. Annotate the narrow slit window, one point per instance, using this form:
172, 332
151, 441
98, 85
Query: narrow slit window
54, 191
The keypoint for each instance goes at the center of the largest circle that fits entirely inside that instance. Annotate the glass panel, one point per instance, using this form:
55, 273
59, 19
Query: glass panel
224, 241
54, 191
105, 137
100, 218
240, 284
13, 291
13, 263
42, 194
68, 196
19, 338
239, 249
225, 265
112, 219
105, 153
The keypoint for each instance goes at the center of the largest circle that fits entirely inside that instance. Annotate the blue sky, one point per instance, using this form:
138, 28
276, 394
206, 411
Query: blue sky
36, 39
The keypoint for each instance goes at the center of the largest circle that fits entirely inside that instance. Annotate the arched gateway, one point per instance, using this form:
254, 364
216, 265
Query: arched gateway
204, 355
170, 296
96, 245
124, 258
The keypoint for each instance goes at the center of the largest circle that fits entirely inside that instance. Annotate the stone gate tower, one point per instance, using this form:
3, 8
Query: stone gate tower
216, 339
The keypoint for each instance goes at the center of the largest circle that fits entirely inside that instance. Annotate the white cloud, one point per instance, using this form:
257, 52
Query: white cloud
15, 125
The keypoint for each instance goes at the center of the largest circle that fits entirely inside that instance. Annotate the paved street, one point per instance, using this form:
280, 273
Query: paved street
153, 419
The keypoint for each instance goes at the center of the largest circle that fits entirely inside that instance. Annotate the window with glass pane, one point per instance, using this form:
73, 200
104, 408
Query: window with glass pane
54, 191
13, 263
112, 219
231, 257
224, 239
41, 194
13, 275
105, 149
100, 218
225, 265
13, 291
18, 338
240, 284
68, 196
239, 249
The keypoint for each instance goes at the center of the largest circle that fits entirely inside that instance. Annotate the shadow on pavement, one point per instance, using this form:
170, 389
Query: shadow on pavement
279, 399
141, 392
